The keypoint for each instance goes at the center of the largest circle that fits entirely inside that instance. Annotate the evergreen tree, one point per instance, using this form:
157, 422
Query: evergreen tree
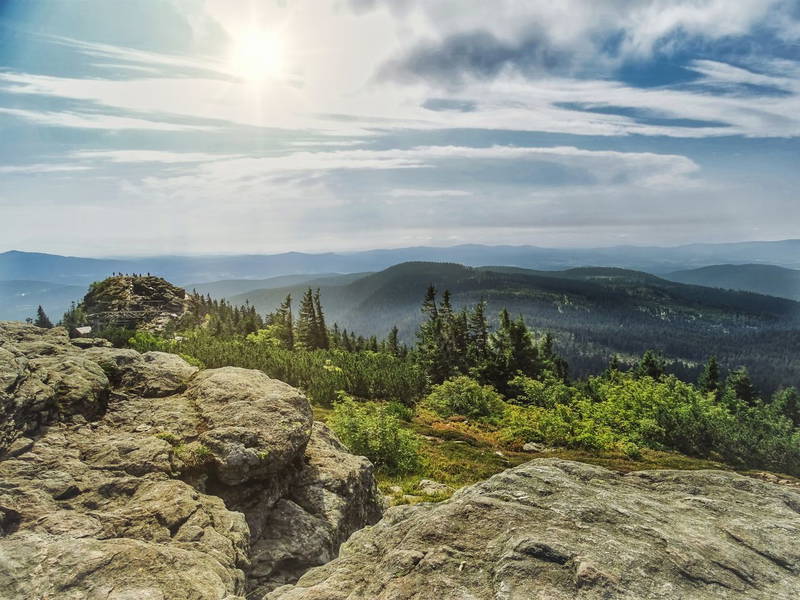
41, 319
431, 346
709, 381
321, 333
392, 343
478, 337
74, 317
613, 363
650, 365
282, 323
307, 326
513, 353
787, 401
739, 389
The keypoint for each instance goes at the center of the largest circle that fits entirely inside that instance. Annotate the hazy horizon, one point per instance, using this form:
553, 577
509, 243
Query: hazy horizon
197, 127
394, 248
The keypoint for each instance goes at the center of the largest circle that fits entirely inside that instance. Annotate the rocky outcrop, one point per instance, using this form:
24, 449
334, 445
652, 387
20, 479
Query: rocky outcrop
134, 301
136, 476
562, 530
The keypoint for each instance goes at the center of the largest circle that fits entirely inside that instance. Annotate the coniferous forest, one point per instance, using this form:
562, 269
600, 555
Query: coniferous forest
505, 381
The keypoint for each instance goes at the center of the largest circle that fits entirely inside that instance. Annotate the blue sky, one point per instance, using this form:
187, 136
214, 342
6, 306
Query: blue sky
211, 126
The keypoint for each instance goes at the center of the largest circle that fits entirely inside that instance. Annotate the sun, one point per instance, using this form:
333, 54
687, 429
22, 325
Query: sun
258, 55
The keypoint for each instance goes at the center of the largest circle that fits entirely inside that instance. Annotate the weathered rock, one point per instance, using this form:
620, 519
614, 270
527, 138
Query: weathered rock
430, 487
134, 301
44, 377
332, 498
533, 447
563, 530
128, 476
91, 343
256, 427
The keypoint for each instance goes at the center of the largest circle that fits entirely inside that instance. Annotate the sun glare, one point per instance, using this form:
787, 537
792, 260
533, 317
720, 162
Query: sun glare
258, 55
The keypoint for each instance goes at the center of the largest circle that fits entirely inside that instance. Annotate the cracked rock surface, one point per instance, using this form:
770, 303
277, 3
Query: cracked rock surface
558, 530
127, 476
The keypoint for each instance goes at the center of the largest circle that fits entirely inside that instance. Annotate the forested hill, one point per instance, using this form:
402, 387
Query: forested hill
762, 279
594, 312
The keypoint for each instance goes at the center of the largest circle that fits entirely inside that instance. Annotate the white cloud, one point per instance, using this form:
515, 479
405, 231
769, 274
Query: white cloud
33, 169
148, 156
424, 193
96, 121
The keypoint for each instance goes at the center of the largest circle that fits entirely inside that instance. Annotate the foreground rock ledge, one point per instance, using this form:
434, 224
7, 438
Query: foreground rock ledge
553, 529
127, 476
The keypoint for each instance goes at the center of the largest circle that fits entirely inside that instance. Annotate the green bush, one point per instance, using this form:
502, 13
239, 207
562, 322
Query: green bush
626, 413
319, 373
464, 396
370, 429
144, 341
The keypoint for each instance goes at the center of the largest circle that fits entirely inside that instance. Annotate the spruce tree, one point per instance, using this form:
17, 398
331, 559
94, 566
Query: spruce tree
307, 327
392, 342
41, 319
739, 389
478, 336
709, 381
650, 365
512, 352
321, 333
431, 345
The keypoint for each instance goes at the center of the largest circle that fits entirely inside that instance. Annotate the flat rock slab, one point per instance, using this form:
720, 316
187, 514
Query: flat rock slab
559, 530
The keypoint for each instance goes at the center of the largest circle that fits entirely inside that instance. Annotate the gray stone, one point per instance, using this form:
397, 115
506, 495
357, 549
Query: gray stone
533, 447
91, 342
562, 530
129, 476
433, 488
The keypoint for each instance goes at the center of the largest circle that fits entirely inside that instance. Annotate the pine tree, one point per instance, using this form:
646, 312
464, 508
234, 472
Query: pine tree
321, 333
709, 381
307, 326
42, 320
392, 342
478, 336
739, 389
282, 323
650, 365
431, 346
512, 352
74, 317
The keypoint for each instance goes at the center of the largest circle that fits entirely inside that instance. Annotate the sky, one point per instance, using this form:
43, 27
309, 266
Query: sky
236, 126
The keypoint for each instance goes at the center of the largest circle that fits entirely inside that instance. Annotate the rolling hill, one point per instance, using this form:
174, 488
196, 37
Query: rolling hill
594, 312
762, 279
233, 287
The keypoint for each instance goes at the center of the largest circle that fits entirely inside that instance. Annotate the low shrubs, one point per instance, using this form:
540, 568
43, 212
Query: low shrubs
373, 429
464, 396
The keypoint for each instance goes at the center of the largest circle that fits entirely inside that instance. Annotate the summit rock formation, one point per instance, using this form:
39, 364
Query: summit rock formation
135, 476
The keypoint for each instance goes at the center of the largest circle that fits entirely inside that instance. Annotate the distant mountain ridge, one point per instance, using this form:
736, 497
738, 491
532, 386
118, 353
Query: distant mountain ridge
204, 269
762, 279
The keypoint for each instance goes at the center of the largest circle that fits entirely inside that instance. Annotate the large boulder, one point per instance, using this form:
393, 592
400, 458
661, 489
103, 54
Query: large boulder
44, 378
562, 530
127, 476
